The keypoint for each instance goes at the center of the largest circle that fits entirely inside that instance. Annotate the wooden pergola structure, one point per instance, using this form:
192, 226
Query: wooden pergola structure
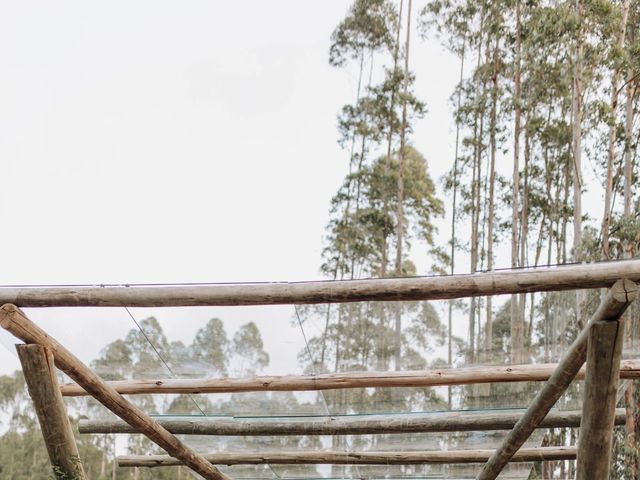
599, 344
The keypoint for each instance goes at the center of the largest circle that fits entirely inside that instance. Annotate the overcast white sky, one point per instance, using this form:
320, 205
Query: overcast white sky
156, 141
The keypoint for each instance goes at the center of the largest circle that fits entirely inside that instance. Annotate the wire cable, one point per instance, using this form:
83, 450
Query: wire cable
313, 369
165, 363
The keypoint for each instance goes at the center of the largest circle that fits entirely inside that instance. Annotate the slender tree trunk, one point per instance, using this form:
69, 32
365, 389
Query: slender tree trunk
524, 221
361, 158
631, 406
565, 219
402, 153
630, 427
628, 152
400, 206
606, 219
492, 178
385, 209
577, 155
517, 336
546, 311
453, 219
114, 470
384, 261
475, 189
474, 254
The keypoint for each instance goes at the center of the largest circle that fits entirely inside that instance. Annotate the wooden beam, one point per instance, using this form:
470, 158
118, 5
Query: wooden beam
42, 384
599, 400
618, 298
630, 369
348, 424
14, 321
356, 458
570, 277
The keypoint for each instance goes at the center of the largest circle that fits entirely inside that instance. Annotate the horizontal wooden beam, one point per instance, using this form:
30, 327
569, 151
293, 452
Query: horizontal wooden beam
15, 322
355, 458
629, 369
570, 277
347, 424
617, 300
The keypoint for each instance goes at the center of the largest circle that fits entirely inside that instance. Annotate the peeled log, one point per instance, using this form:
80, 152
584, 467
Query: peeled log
348, 425
569, 277
355, 458
417, 378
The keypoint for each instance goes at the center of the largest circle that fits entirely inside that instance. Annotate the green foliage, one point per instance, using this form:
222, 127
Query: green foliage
368, 26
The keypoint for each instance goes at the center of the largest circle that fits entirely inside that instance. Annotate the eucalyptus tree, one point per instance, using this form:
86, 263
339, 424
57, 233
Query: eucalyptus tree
477, 30
210, 348
247, 350
367, 29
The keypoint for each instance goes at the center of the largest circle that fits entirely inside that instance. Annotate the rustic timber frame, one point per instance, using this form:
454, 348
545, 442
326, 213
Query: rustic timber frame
599, 344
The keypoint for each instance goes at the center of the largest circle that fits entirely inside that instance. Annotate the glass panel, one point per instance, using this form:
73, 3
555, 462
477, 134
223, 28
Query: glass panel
294, 340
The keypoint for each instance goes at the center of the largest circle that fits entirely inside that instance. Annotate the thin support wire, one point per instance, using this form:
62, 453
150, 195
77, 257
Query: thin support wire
165, 363
313, 369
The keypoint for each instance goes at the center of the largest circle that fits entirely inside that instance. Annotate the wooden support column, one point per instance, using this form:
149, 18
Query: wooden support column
14, 321
599, 401
618, 298
42, 384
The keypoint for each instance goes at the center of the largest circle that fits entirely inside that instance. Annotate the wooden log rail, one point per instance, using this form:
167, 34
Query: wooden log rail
540, 454
629, 369
348, 424
14, 321
618, 298
569, 277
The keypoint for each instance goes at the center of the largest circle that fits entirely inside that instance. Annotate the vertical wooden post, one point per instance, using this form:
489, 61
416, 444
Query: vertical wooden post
40, 375
599, 402
619, 297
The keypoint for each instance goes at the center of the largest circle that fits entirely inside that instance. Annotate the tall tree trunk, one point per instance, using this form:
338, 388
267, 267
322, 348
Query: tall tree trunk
453, 220
492, 178
628, 152
475, 189
577, 154
475, 209
361, 158
631, 405
524, 219
385, 208
114, 469
606, 218
400, 206
517, 335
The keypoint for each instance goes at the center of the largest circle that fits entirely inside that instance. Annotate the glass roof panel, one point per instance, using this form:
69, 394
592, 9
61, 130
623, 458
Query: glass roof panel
222, 342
